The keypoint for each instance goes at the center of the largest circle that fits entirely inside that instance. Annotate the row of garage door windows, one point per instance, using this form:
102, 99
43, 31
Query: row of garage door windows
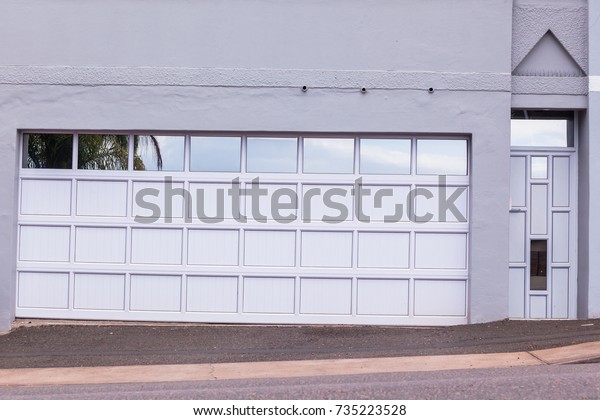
315, 155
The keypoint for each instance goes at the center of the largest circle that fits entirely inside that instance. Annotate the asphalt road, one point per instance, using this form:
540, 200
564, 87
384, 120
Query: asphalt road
538, 382
117, 344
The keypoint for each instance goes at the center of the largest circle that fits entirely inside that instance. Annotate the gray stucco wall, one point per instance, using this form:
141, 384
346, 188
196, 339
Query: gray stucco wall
426, 35
583, 239
568, 21
238, 65
589, 244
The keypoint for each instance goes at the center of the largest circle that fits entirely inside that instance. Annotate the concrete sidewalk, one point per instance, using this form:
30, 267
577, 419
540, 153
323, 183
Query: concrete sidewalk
291, 369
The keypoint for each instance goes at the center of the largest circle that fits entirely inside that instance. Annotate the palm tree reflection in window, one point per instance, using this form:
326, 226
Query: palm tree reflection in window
111, 152
145, 144
95, 151
102, 152
48, 151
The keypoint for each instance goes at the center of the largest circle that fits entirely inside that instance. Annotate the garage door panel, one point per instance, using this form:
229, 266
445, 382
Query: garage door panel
447, 204
274, 295
441, 251
212, 294
158, 200
213, 247
46, 197
383, 297
270, 248
383, 250
100, 245
102, 198
99, 291
155, 293
326, 249
440, 297
212, 201
45, 243
383, 203
326, 296
43, 290
276, 202
156, 246
327, 203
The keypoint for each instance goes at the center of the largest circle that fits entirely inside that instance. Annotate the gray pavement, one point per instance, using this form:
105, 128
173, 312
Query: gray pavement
37, 344
532, 382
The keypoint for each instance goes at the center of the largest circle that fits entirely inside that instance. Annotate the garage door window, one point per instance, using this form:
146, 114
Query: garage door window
102, 152
320, 155
441, 157
328, 156
385, 156
158, 153
216, 154
266, 154
52, 151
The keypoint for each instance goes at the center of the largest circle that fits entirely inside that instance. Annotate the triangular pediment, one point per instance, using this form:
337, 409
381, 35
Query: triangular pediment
548, 58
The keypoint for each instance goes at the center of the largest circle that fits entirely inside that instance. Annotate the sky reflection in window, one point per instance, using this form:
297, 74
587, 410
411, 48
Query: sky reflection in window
385, 156
539, 133
216, 154
441, 157
272, 154
328, 156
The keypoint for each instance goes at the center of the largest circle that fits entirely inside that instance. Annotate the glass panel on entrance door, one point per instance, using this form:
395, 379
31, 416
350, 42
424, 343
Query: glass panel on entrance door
538, 265
539, 167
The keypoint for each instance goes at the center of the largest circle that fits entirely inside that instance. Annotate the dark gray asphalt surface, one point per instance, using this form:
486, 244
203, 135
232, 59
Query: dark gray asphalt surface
570, 382
118, 344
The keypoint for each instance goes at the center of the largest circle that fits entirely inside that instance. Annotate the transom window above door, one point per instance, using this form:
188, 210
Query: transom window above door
542, 128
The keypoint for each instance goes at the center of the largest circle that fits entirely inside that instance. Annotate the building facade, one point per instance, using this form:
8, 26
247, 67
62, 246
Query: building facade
265, 161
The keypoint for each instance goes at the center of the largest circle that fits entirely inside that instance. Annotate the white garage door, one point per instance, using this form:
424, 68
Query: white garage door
244, 227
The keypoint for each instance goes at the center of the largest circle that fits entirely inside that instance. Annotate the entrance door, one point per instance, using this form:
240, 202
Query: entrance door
543, 226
